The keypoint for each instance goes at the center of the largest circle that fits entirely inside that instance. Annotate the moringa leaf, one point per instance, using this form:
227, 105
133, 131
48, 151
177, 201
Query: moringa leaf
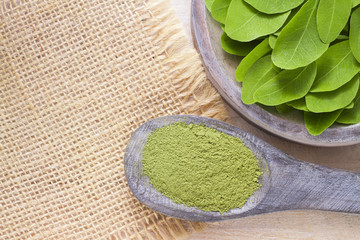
350, 106
236, 47
208, 4
316, 123
351, 116
223, 27
259, 73
299, 43
336, 67
258, 52
276, 34
272, 41
355, 3
339, 39
219, 10
345, 31
244, 23
334, 100
292, 14
286, 86
299, 104
332, 16
354, 35
274, 6
342, 37
284, 108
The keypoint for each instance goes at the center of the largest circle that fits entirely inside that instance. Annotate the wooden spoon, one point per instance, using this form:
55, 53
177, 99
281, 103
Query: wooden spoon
287, 183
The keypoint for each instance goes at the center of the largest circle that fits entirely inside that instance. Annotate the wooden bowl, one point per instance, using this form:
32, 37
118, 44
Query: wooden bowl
220, 67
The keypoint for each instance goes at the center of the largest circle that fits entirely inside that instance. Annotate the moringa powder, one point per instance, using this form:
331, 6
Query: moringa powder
200, 167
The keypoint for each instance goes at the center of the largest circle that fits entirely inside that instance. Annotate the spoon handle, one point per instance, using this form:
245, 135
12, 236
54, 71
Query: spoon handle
300, 185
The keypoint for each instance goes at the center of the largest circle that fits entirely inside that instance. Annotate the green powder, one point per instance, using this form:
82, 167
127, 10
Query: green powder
201, 167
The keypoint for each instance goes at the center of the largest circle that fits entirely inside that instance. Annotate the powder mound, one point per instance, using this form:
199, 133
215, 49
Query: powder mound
201, 167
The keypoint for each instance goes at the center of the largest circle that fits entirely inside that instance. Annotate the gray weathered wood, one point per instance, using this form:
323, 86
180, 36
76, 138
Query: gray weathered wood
220, 68
287, 183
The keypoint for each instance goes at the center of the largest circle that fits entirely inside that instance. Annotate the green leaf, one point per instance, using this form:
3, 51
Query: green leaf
292, 14
299, 43
342, 37
299, 104
257, 75
272, 41
276, 34
274, 6
355, 3
286, 86
283, 108
244, 23
334, 100
339, 39
316, 123
351, 116
332, 16
350, 106
236, 47
345, 31
208, 4
354, 35
222, 26
219, 10
336, 67
258, 52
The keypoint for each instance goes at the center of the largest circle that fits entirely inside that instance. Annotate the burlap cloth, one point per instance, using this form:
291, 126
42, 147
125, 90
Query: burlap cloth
77, 77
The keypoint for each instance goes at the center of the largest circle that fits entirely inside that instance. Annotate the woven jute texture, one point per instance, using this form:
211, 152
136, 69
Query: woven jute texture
77, 77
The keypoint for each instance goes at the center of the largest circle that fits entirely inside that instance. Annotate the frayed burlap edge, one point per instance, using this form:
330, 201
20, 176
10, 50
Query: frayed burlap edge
199, 97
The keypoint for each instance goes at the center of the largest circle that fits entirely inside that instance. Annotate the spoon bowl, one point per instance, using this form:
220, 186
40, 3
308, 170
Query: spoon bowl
286, 183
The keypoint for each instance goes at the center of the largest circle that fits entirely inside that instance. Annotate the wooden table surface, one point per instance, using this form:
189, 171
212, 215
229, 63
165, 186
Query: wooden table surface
292, 224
